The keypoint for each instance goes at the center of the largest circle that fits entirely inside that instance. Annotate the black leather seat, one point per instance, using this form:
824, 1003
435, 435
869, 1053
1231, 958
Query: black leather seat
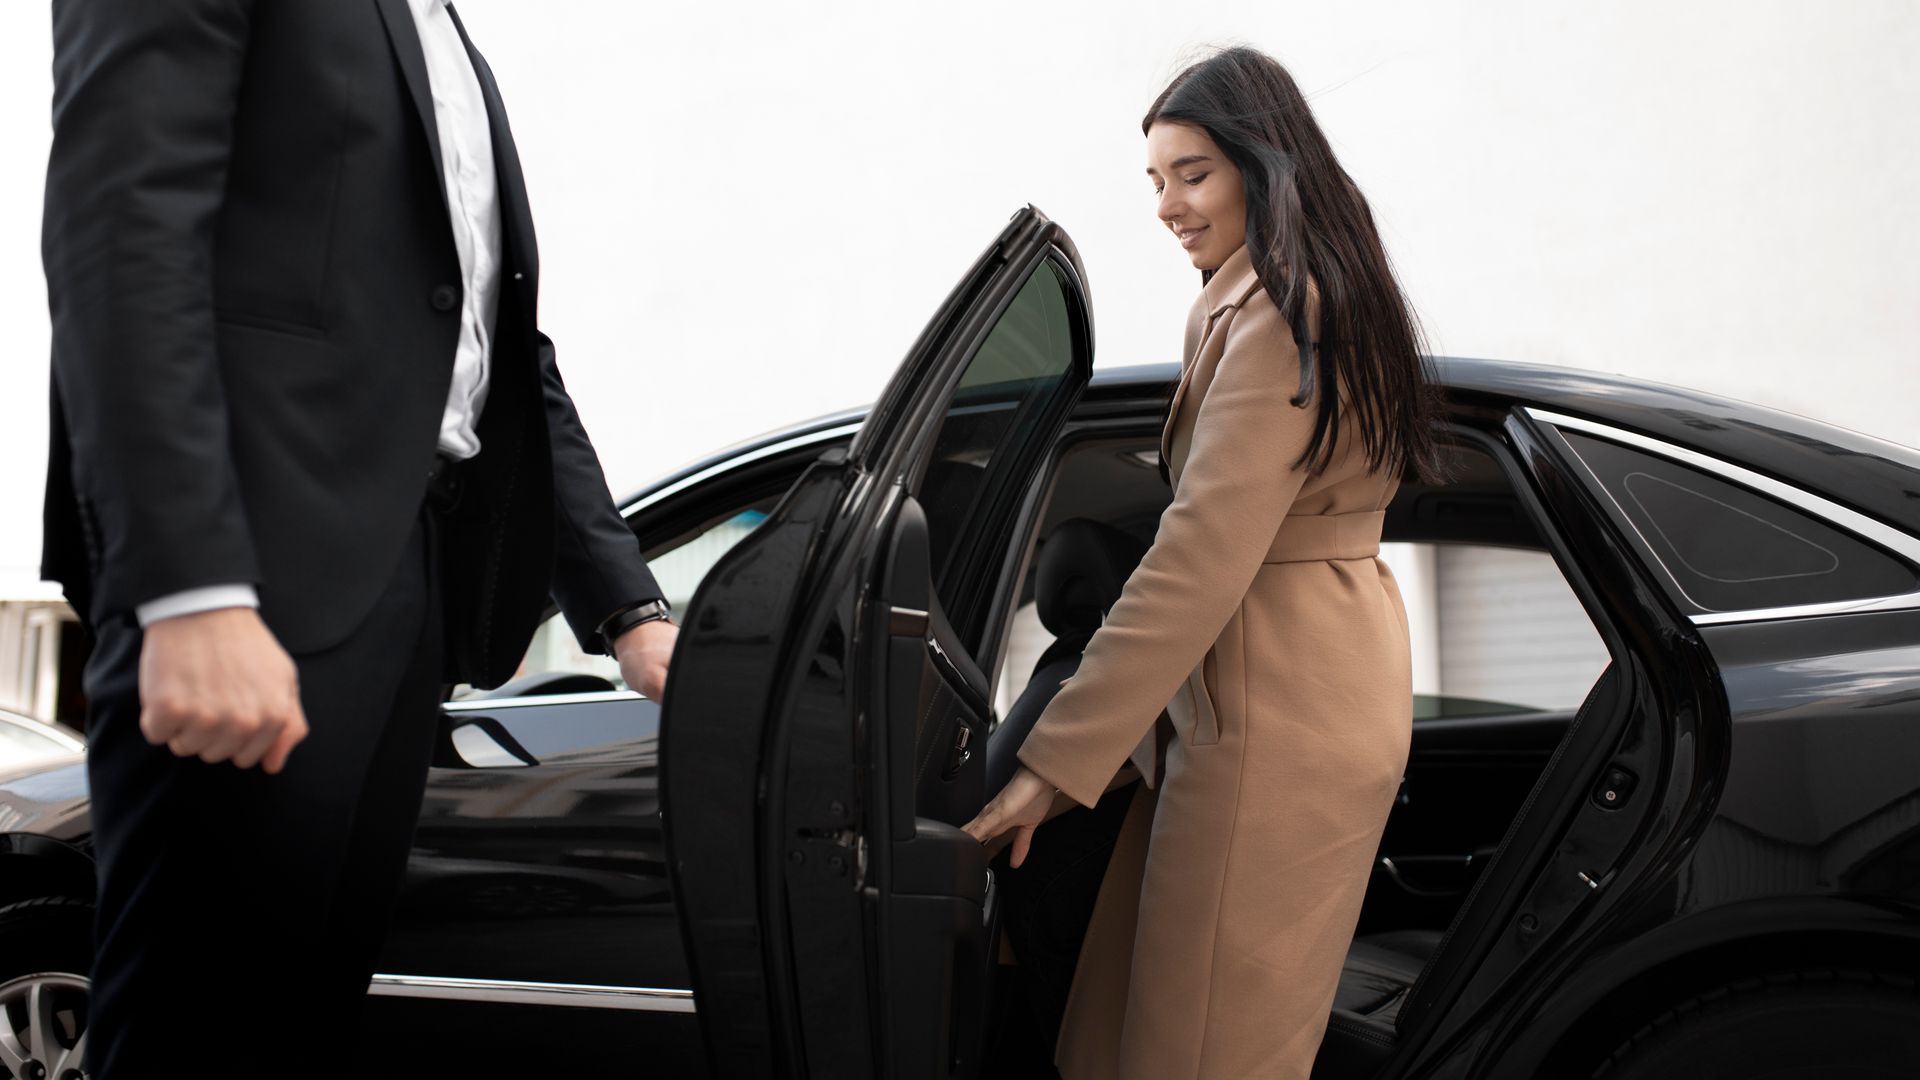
1047, 902
1379, 974
1080, 569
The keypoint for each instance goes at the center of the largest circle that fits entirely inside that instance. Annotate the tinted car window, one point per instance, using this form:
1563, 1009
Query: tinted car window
980, 462
1727, 548
678, 569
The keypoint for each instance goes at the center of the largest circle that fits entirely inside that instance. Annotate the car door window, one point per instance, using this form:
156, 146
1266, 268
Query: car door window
1502, 631
979, 467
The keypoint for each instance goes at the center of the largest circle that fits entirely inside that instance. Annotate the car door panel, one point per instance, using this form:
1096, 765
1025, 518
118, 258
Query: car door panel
823, 737
536, 869
1465, 781
937, 919
537, 856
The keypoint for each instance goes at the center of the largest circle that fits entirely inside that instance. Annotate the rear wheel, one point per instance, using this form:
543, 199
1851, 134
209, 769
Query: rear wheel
46, 948
1803, 1025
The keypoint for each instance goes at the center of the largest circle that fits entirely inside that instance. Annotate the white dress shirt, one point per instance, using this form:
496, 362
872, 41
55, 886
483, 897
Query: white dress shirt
473, 203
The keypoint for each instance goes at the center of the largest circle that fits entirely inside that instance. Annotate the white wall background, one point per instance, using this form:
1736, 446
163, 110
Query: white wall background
746, 211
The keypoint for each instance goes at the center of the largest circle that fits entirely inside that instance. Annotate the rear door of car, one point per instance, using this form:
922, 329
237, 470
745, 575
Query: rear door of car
824, 726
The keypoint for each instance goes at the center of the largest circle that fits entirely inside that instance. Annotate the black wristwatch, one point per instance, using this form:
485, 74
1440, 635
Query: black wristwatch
626, 619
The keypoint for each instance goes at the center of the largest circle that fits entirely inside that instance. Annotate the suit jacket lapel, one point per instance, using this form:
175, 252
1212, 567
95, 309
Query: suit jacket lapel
523, 256
404, 36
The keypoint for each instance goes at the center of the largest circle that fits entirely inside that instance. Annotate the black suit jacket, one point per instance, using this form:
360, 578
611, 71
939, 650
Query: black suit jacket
256, 299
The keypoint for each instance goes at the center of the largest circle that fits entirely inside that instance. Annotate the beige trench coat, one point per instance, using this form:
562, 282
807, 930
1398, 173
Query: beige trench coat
1263, 622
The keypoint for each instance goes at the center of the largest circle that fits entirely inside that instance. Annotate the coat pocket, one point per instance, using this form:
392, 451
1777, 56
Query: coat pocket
1206, 720
1192, 711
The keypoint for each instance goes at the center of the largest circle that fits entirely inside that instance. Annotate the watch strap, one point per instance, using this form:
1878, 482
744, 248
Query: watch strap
627, 618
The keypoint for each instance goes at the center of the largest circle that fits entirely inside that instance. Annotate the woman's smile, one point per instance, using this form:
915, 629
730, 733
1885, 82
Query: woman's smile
1189, 236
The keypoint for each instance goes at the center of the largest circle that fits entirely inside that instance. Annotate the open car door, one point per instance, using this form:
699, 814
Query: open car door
825, 722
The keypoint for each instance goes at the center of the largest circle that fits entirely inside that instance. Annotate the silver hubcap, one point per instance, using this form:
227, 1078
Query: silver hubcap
43, 1026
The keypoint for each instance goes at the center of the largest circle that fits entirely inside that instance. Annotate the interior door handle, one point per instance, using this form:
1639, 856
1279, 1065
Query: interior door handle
1449, 866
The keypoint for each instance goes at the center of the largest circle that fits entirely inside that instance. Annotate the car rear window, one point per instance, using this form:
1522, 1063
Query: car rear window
1726, 547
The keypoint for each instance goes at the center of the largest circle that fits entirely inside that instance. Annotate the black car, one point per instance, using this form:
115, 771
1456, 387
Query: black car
1663, 821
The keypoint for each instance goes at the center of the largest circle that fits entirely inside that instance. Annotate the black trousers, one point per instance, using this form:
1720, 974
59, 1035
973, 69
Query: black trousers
240, 914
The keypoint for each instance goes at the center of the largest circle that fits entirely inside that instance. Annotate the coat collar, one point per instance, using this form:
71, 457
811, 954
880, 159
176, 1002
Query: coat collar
1230, 285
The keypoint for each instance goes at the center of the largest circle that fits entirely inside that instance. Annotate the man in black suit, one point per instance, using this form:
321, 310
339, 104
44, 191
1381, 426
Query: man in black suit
311, 460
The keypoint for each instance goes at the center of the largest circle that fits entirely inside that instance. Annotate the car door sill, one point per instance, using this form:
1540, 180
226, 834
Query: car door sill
506, 992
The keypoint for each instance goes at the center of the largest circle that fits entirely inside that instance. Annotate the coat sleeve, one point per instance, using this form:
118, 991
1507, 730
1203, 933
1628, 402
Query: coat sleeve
597, 569
1236, 487
145, 93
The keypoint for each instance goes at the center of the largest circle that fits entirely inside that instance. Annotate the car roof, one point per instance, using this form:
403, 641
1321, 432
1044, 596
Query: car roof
1872, 475
56, 732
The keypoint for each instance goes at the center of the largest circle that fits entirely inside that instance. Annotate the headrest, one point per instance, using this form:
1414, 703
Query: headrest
1082, 565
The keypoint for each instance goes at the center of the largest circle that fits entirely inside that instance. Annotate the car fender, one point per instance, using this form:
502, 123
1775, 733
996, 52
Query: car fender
33, 866
1614, 989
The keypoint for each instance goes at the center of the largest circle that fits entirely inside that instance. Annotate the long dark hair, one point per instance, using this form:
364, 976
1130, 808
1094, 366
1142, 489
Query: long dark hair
1306, 219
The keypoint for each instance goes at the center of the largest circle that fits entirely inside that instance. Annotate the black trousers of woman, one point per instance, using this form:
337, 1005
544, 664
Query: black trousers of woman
240, 914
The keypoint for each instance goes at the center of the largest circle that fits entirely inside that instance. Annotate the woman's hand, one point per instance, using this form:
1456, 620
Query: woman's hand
1020, 806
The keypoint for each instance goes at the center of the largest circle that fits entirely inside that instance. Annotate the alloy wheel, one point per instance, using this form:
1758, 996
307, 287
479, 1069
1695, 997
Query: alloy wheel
43, 1027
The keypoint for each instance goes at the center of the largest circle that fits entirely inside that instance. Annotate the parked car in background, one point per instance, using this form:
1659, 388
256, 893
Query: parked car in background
24, 739
1661, 820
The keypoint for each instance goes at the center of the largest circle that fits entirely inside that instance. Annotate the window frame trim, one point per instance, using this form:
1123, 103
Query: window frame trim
746, 457
1868, 529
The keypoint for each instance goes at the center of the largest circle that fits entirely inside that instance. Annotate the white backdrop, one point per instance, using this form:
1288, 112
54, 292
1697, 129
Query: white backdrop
747, 211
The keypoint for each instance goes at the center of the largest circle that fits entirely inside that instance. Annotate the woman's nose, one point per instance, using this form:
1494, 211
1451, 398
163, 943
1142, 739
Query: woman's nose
1171, 205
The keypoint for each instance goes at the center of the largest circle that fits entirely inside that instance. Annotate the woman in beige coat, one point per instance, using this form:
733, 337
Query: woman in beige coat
1261, 618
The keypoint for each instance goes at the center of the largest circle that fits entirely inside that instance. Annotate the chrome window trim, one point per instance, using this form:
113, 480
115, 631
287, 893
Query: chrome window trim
484, 704
1870, 529
504, 992
796, 443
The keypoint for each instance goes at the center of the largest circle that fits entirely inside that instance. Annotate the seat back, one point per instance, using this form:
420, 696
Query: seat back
1079, 572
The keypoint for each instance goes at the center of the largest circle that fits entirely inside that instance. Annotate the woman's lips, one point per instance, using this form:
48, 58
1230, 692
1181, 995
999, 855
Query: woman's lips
1191, 237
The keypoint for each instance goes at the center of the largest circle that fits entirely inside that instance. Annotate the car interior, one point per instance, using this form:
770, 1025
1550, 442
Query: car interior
1475, 763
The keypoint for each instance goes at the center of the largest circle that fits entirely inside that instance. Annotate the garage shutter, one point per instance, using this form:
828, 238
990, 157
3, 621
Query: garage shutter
1511, 629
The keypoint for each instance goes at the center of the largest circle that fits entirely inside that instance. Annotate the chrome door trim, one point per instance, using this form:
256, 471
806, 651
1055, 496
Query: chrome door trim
1870, 529
487, 704
796, 443
506, 992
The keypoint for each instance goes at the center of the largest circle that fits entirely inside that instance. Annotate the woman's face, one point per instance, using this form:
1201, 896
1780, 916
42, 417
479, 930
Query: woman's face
1201, 197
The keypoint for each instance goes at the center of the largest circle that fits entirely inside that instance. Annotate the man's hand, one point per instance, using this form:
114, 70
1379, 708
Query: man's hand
216, 685
643, 653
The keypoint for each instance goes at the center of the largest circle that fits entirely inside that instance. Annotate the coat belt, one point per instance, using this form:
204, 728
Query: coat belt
1307, 537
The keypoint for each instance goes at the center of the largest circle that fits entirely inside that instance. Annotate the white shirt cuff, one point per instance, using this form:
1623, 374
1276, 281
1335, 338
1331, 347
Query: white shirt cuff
194, 601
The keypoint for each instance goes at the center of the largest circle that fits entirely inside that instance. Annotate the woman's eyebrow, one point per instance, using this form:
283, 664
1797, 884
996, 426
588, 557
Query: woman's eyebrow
1181, 163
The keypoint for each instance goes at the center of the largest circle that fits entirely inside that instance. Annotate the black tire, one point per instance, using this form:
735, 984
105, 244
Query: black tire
1802, 1025
46, 934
